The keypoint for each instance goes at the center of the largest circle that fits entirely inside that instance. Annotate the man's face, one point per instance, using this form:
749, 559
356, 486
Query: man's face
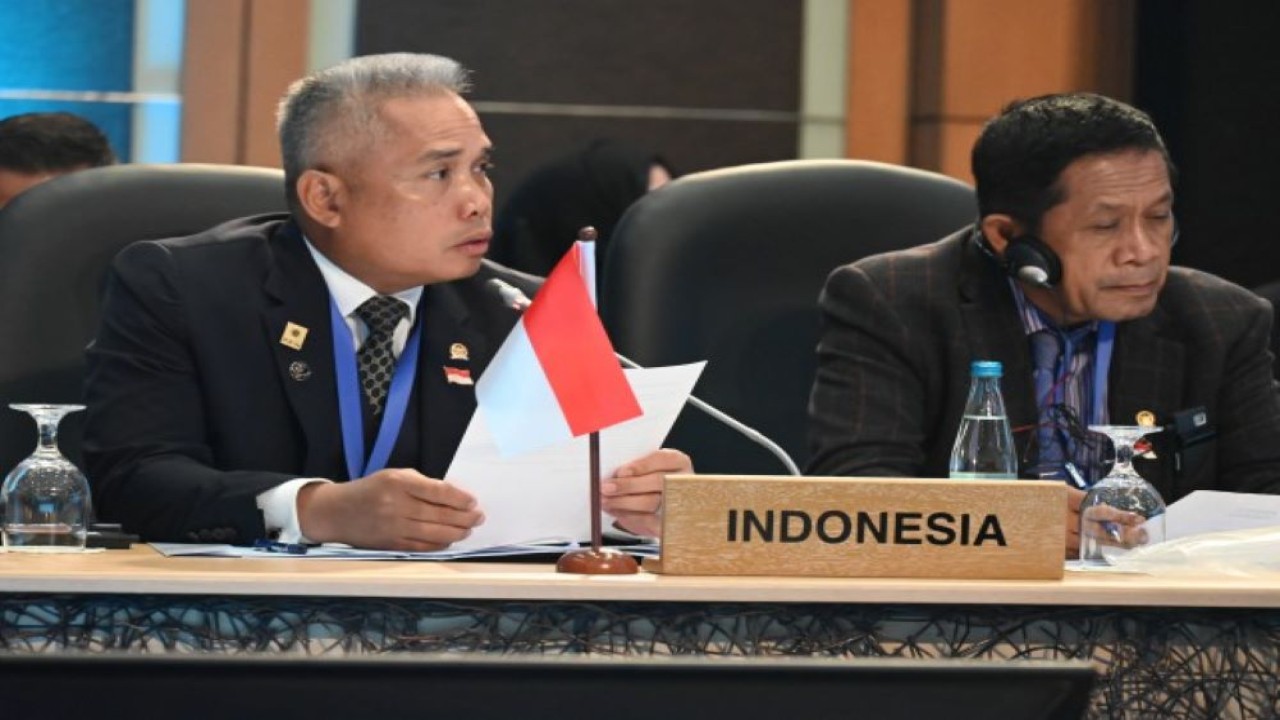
12, 183
1113, 232
417, 203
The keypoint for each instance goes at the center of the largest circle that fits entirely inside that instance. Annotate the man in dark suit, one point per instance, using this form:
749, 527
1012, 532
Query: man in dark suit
240, 374
1072, 245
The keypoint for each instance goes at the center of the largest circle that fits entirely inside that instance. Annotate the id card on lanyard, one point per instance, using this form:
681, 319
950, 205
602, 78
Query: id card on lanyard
349, 405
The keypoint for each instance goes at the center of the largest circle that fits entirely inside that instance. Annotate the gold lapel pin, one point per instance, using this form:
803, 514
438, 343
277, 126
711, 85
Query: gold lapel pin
294, 336
1145, 418
458, 351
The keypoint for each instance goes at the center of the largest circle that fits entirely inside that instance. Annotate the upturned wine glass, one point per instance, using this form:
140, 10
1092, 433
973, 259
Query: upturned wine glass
1107, 509
45, 498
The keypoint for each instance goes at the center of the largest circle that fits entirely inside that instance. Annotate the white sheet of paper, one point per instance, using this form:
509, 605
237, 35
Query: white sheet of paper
543, 495
1205, 511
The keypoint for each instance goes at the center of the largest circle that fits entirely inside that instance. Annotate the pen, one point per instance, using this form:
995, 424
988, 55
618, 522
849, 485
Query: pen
1112, 529
272, 546
1076, 478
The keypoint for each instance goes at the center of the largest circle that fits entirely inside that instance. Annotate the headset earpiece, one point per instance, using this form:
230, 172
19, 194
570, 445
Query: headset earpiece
1029, 259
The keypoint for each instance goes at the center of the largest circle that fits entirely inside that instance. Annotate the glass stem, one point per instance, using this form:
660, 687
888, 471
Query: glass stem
1124, 458
48, 435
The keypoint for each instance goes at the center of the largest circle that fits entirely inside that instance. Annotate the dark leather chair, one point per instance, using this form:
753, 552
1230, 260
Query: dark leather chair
56, 242
726, 266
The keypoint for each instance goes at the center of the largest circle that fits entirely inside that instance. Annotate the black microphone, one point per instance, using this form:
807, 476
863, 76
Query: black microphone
512, 297
509, 294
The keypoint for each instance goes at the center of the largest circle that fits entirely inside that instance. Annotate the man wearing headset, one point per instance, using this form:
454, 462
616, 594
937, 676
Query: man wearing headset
1065, 279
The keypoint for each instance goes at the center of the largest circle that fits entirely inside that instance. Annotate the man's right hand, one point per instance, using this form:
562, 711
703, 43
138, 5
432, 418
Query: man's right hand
392, 509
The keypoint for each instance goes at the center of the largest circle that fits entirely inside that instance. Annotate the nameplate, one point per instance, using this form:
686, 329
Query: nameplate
863, 527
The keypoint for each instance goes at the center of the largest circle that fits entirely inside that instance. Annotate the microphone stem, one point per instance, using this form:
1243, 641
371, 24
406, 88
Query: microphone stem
753, 434
516, 300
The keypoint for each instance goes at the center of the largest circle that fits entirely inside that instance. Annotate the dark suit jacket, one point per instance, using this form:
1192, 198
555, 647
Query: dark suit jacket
900, 330
195, 406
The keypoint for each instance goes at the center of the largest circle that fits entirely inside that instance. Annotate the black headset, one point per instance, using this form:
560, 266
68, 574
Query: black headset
1025, 258
1029, 259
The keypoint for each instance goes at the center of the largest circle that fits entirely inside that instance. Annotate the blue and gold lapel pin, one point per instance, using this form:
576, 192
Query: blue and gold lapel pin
294, 336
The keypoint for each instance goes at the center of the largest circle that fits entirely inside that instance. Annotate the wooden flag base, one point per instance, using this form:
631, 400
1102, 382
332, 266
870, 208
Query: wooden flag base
596, 560
602, 561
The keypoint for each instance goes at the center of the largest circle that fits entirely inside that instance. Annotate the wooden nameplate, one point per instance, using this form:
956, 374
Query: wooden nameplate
863, 527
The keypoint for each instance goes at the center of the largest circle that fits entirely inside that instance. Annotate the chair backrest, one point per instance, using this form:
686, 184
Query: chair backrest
726, 266
56, 242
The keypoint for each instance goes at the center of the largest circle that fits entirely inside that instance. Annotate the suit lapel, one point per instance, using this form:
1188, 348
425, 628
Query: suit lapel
990, 318
307, 375
1146, 373
450, 339
1146, 370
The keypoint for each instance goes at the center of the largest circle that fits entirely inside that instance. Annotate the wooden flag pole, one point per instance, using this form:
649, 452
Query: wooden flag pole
598, 560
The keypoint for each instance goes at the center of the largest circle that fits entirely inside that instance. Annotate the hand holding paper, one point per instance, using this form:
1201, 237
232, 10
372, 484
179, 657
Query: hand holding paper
542, 494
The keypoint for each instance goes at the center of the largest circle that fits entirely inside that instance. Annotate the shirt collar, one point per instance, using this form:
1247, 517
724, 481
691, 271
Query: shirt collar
1034, 319
348, 292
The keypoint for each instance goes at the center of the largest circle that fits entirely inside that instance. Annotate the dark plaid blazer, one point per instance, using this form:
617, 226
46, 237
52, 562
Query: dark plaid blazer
900, 330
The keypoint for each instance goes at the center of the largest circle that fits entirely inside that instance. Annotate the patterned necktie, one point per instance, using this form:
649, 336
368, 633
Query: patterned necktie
1045, 349
381, 314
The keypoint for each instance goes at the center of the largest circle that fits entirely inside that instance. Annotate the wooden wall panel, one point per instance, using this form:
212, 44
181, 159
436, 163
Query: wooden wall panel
277, 53
878, 111
967, 59
212, 75
239, 57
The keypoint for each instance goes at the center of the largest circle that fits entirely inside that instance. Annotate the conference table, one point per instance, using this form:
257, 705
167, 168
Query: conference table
1182, 646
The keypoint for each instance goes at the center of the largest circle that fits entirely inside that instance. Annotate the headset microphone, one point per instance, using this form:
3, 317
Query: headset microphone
512, 297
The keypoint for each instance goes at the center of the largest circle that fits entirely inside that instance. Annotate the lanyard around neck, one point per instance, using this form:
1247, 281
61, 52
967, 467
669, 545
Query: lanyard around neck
349, 406
1101, 368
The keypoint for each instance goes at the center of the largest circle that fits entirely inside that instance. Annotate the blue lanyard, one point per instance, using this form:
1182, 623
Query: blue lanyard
1101, 368
344, 361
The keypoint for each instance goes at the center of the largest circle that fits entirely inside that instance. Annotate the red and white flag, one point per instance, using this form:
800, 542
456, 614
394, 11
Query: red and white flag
556, 377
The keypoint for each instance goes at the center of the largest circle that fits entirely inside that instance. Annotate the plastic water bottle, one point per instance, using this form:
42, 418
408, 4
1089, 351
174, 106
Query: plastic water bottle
984, 444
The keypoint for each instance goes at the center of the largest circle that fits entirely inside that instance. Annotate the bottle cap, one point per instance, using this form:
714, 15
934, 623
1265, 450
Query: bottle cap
987, 369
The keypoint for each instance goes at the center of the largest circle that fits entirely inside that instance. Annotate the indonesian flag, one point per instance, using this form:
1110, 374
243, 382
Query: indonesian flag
556, 377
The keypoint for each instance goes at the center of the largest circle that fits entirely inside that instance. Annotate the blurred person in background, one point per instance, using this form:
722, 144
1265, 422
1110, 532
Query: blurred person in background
591, 186
35, 147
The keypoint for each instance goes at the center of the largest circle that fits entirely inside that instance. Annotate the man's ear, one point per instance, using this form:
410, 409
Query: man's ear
321, 196
999, 229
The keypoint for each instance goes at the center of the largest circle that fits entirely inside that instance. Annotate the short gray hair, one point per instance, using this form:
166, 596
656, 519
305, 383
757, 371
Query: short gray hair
340, 104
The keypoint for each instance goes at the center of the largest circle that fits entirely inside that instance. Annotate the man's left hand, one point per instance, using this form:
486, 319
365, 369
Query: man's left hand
633, 496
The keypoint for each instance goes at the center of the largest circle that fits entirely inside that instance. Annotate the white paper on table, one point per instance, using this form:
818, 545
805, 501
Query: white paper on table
336, 551
544, 495
1206, 511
